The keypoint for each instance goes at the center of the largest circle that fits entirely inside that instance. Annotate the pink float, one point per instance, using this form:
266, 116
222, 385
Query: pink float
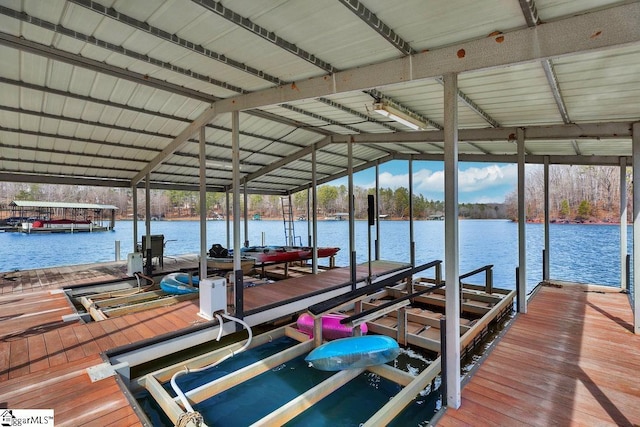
331, 327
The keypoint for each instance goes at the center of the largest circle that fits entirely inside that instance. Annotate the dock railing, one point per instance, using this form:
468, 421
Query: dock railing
348, 298
367, 315
488, 280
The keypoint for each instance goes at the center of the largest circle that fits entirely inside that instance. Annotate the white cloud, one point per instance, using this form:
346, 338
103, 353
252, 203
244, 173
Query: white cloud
428, 181
474, 179
388, 180
469, 180
478, 179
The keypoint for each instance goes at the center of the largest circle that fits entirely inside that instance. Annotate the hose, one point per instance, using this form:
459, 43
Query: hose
186, 370
138, 275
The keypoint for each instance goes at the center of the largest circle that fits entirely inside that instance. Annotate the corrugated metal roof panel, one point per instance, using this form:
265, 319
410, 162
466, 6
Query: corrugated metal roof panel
324, 28
431, 24
550, 9
611, 147
602, 85
507, 94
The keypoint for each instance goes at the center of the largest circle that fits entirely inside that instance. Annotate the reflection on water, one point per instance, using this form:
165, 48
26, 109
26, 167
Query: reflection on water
579, 252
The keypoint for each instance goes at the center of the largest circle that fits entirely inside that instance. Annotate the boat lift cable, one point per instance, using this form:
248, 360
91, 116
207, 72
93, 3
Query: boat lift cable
179, 393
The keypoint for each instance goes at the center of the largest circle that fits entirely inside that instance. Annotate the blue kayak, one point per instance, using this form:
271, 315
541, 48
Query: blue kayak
178, 284
353, 352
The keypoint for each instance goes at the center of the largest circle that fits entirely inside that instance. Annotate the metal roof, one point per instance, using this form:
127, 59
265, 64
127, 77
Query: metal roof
65, 205
104, 92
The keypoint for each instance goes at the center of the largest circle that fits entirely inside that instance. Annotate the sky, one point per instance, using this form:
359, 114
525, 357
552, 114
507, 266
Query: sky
477, 182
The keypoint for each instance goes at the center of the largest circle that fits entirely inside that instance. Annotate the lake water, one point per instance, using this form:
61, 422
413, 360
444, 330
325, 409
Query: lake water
579, 252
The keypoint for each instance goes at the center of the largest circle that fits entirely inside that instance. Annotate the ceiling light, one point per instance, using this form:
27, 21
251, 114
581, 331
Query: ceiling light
399, 116
218, 165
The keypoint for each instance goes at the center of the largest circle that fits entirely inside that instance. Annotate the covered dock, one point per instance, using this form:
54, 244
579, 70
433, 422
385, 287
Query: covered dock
62, 217
247, 99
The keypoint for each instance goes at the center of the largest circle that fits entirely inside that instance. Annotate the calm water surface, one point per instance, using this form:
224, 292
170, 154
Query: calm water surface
582, 253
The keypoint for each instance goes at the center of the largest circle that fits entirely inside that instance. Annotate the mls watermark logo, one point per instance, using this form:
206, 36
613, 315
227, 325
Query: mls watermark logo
26, 417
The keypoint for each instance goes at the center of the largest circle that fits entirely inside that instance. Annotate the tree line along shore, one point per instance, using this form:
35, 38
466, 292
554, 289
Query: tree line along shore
578, 194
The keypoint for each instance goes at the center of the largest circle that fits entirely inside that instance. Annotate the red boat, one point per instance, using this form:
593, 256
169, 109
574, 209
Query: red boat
277, 254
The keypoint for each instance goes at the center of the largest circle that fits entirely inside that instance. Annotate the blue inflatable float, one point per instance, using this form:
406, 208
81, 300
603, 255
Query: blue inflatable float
178, 284
354, 352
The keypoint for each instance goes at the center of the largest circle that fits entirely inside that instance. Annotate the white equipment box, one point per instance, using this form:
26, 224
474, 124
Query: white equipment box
134, 263
213, 296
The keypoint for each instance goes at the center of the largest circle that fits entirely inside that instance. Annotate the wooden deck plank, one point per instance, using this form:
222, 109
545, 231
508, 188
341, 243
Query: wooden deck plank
571, 360
136, 321
156, 324
31, 313
100, 336
64, 389
85, 340
38, 358
55, 348
130, 333
561, 387
19, 358
91, 402
12, 389
123, 417
72, 346
111, 328
170, 321
5, 352
265, 295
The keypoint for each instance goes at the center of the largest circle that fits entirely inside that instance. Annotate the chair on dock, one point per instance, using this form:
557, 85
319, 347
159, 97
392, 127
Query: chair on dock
157, 247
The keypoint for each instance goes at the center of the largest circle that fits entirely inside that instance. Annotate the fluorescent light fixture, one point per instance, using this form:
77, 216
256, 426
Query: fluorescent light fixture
399, 116
217, 164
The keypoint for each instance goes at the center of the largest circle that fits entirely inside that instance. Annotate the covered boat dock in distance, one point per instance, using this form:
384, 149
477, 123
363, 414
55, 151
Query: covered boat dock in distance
62, 217
238, 98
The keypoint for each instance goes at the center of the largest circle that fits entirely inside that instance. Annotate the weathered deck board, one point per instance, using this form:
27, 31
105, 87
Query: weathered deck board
265, 295
571, 360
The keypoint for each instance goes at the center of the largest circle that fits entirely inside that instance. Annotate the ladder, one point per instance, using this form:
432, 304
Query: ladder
287, 217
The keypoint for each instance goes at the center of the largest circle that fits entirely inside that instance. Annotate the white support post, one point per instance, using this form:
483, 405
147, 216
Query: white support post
623, 223
314, 214
246, 213
228, 217
377, 211
134, 195
452, 273
412, 240
547, 245
203, 204
352, 224
235, 183
636, 228
235, 160
522, 223
147, 209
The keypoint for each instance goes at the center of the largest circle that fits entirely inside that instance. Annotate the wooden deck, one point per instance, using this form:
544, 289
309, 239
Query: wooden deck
43, 359
571, 360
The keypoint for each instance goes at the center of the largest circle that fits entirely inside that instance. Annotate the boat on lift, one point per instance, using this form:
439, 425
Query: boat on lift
281, 254
226, 263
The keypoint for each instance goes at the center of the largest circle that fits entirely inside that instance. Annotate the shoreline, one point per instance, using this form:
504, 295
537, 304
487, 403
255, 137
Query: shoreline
559, 222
